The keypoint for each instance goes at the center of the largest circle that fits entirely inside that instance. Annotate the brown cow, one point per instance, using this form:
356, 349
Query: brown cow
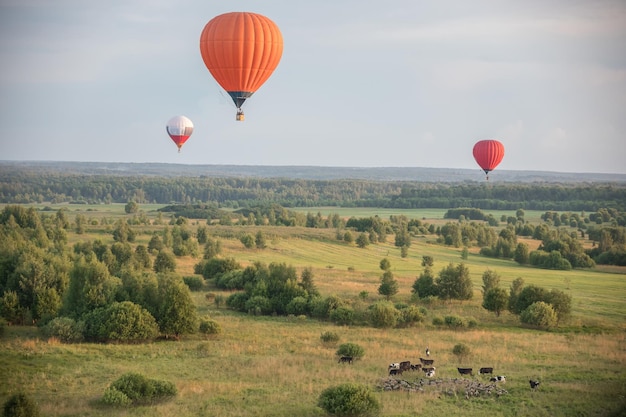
483, 371
427, 361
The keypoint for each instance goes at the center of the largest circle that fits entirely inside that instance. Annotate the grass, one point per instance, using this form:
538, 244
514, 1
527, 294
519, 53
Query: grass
278, 366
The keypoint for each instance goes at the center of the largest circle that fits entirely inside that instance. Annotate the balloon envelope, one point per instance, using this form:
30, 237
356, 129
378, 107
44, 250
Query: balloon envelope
179, 128
488, 154
241, 50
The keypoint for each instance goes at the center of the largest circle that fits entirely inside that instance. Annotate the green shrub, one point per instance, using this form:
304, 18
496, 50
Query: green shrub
65, 329
461, 350
20, 405
342, 316
298, 306
120, 322
438, 321
351, 349
194, 283
411, 315
329, 337
472, 323
454, 322
383, 314
349, 400
138, 389
209, 326
115, 398
539, 314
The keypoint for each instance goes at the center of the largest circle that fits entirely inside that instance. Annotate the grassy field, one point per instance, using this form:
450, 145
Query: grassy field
278, 366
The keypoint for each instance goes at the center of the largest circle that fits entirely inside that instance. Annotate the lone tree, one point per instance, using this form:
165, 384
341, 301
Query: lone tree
424, 286
388, 285
491, 279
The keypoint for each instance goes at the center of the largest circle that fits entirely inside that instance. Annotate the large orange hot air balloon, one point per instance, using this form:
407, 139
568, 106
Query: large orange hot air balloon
179, 128
241, 50
488, 154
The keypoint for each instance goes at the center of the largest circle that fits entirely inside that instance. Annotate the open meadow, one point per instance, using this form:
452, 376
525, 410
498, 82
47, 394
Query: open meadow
278, 366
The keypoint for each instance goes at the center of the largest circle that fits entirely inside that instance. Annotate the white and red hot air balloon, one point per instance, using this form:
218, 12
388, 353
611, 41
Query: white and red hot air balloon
179, 128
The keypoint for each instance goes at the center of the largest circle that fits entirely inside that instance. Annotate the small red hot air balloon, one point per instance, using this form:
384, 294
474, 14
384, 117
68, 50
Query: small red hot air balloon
179, 128
241, 50
488, 154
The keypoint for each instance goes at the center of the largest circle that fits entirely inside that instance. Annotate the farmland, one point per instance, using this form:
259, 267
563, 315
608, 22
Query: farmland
278, 366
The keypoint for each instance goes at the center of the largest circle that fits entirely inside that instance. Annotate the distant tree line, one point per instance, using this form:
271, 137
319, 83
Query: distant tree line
31, 186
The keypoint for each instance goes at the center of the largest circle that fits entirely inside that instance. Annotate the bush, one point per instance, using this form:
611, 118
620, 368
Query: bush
454, 322
539, 314
329, 338
438, 321
121, 322
411, 315
351, 349
342, 316
194, 283
20, 405
209, 326
383, 314
298, 306
138, 390
461, 350
349, 400
65, 329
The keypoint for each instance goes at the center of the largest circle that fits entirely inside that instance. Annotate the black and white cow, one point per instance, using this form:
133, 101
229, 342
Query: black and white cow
499, 378
345, 359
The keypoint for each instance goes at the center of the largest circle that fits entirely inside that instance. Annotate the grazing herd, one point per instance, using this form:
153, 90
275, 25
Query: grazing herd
426, 366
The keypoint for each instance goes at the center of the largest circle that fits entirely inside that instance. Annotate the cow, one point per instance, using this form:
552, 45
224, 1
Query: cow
416, 367
405, 366
431, 373
499, 378
345, 359
534, 384
484, 371
427, 361
394, 365
427, 370
465, 371
395, 372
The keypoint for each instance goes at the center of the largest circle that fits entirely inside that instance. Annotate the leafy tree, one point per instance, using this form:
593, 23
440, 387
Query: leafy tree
491, 279
351, 349
454, 283
123, 232
247, 240
516, 288
385, 265
91, 286
349, 399
427, 260
496, 299
156, 244
424, 286
529, 295
131, 207
306, 281
176, 313
561, 303
165, 261
259, 240
212, 248
521, 255
539, 314
388, 285
464, 253
461, 351
363, 240
347, 237
202, 234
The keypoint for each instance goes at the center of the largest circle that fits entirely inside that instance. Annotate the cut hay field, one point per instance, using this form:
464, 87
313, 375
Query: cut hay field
278, 366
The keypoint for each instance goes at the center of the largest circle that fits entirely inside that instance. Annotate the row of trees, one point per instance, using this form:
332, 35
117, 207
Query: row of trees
26, 186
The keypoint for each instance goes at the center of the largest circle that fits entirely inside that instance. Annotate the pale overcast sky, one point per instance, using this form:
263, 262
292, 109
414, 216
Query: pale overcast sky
361, 83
